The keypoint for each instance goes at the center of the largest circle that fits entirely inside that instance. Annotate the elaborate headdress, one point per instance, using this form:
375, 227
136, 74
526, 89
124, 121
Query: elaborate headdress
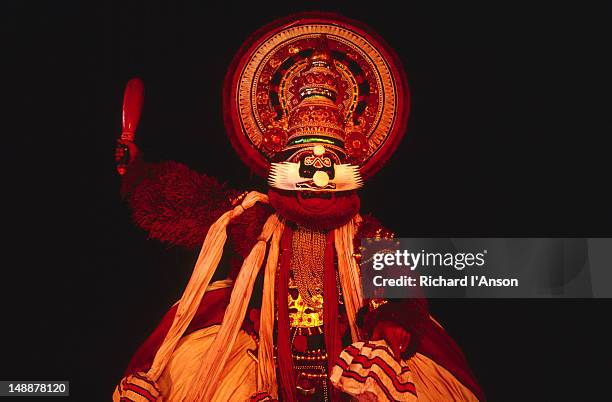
316, 102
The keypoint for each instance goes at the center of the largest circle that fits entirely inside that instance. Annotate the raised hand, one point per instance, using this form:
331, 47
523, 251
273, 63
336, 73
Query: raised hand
126, 150
396, 337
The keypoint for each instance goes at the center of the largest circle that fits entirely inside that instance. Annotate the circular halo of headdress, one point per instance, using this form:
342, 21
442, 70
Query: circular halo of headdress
258, 95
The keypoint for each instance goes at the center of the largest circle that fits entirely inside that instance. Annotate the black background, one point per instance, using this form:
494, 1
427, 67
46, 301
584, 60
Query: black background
507, 135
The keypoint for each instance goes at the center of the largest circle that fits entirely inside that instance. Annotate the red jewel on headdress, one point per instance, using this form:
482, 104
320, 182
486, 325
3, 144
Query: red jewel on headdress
356, 145
274, 139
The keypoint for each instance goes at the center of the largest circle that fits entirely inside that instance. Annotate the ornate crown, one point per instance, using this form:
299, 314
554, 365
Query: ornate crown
315, 79
321, 77
317, 118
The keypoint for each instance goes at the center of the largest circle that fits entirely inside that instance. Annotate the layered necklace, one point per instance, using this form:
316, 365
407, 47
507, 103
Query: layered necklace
308, 262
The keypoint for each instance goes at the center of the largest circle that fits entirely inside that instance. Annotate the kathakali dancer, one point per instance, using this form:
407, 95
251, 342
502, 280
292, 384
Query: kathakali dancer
316, 103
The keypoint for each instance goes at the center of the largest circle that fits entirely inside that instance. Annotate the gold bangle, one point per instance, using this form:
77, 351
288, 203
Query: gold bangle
376, 303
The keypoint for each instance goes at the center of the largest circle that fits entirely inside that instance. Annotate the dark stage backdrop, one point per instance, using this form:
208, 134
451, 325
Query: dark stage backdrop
510, 116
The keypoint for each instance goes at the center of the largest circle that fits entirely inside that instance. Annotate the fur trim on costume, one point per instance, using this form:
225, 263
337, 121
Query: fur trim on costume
174, 204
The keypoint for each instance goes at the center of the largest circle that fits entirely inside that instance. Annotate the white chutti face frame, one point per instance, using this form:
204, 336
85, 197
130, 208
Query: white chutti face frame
286, 176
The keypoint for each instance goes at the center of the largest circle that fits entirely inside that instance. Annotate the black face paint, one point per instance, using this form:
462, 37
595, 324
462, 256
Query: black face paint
316, 194
310, 164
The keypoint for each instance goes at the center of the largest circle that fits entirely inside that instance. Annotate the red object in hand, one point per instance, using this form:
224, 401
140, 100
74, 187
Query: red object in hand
132, 106
133, 98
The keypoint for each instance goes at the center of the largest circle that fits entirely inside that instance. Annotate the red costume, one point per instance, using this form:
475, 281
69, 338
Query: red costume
316, 103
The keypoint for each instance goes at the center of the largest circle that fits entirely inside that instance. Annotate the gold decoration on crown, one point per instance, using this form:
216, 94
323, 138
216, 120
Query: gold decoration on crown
284, 81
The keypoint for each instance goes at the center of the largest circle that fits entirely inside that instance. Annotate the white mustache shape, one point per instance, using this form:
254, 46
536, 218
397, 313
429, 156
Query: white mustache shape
286, 176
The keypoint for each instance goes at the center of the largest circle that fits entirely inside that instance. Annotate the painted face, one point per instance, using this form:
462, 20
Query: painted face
313, 189
319, 168
314, 169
